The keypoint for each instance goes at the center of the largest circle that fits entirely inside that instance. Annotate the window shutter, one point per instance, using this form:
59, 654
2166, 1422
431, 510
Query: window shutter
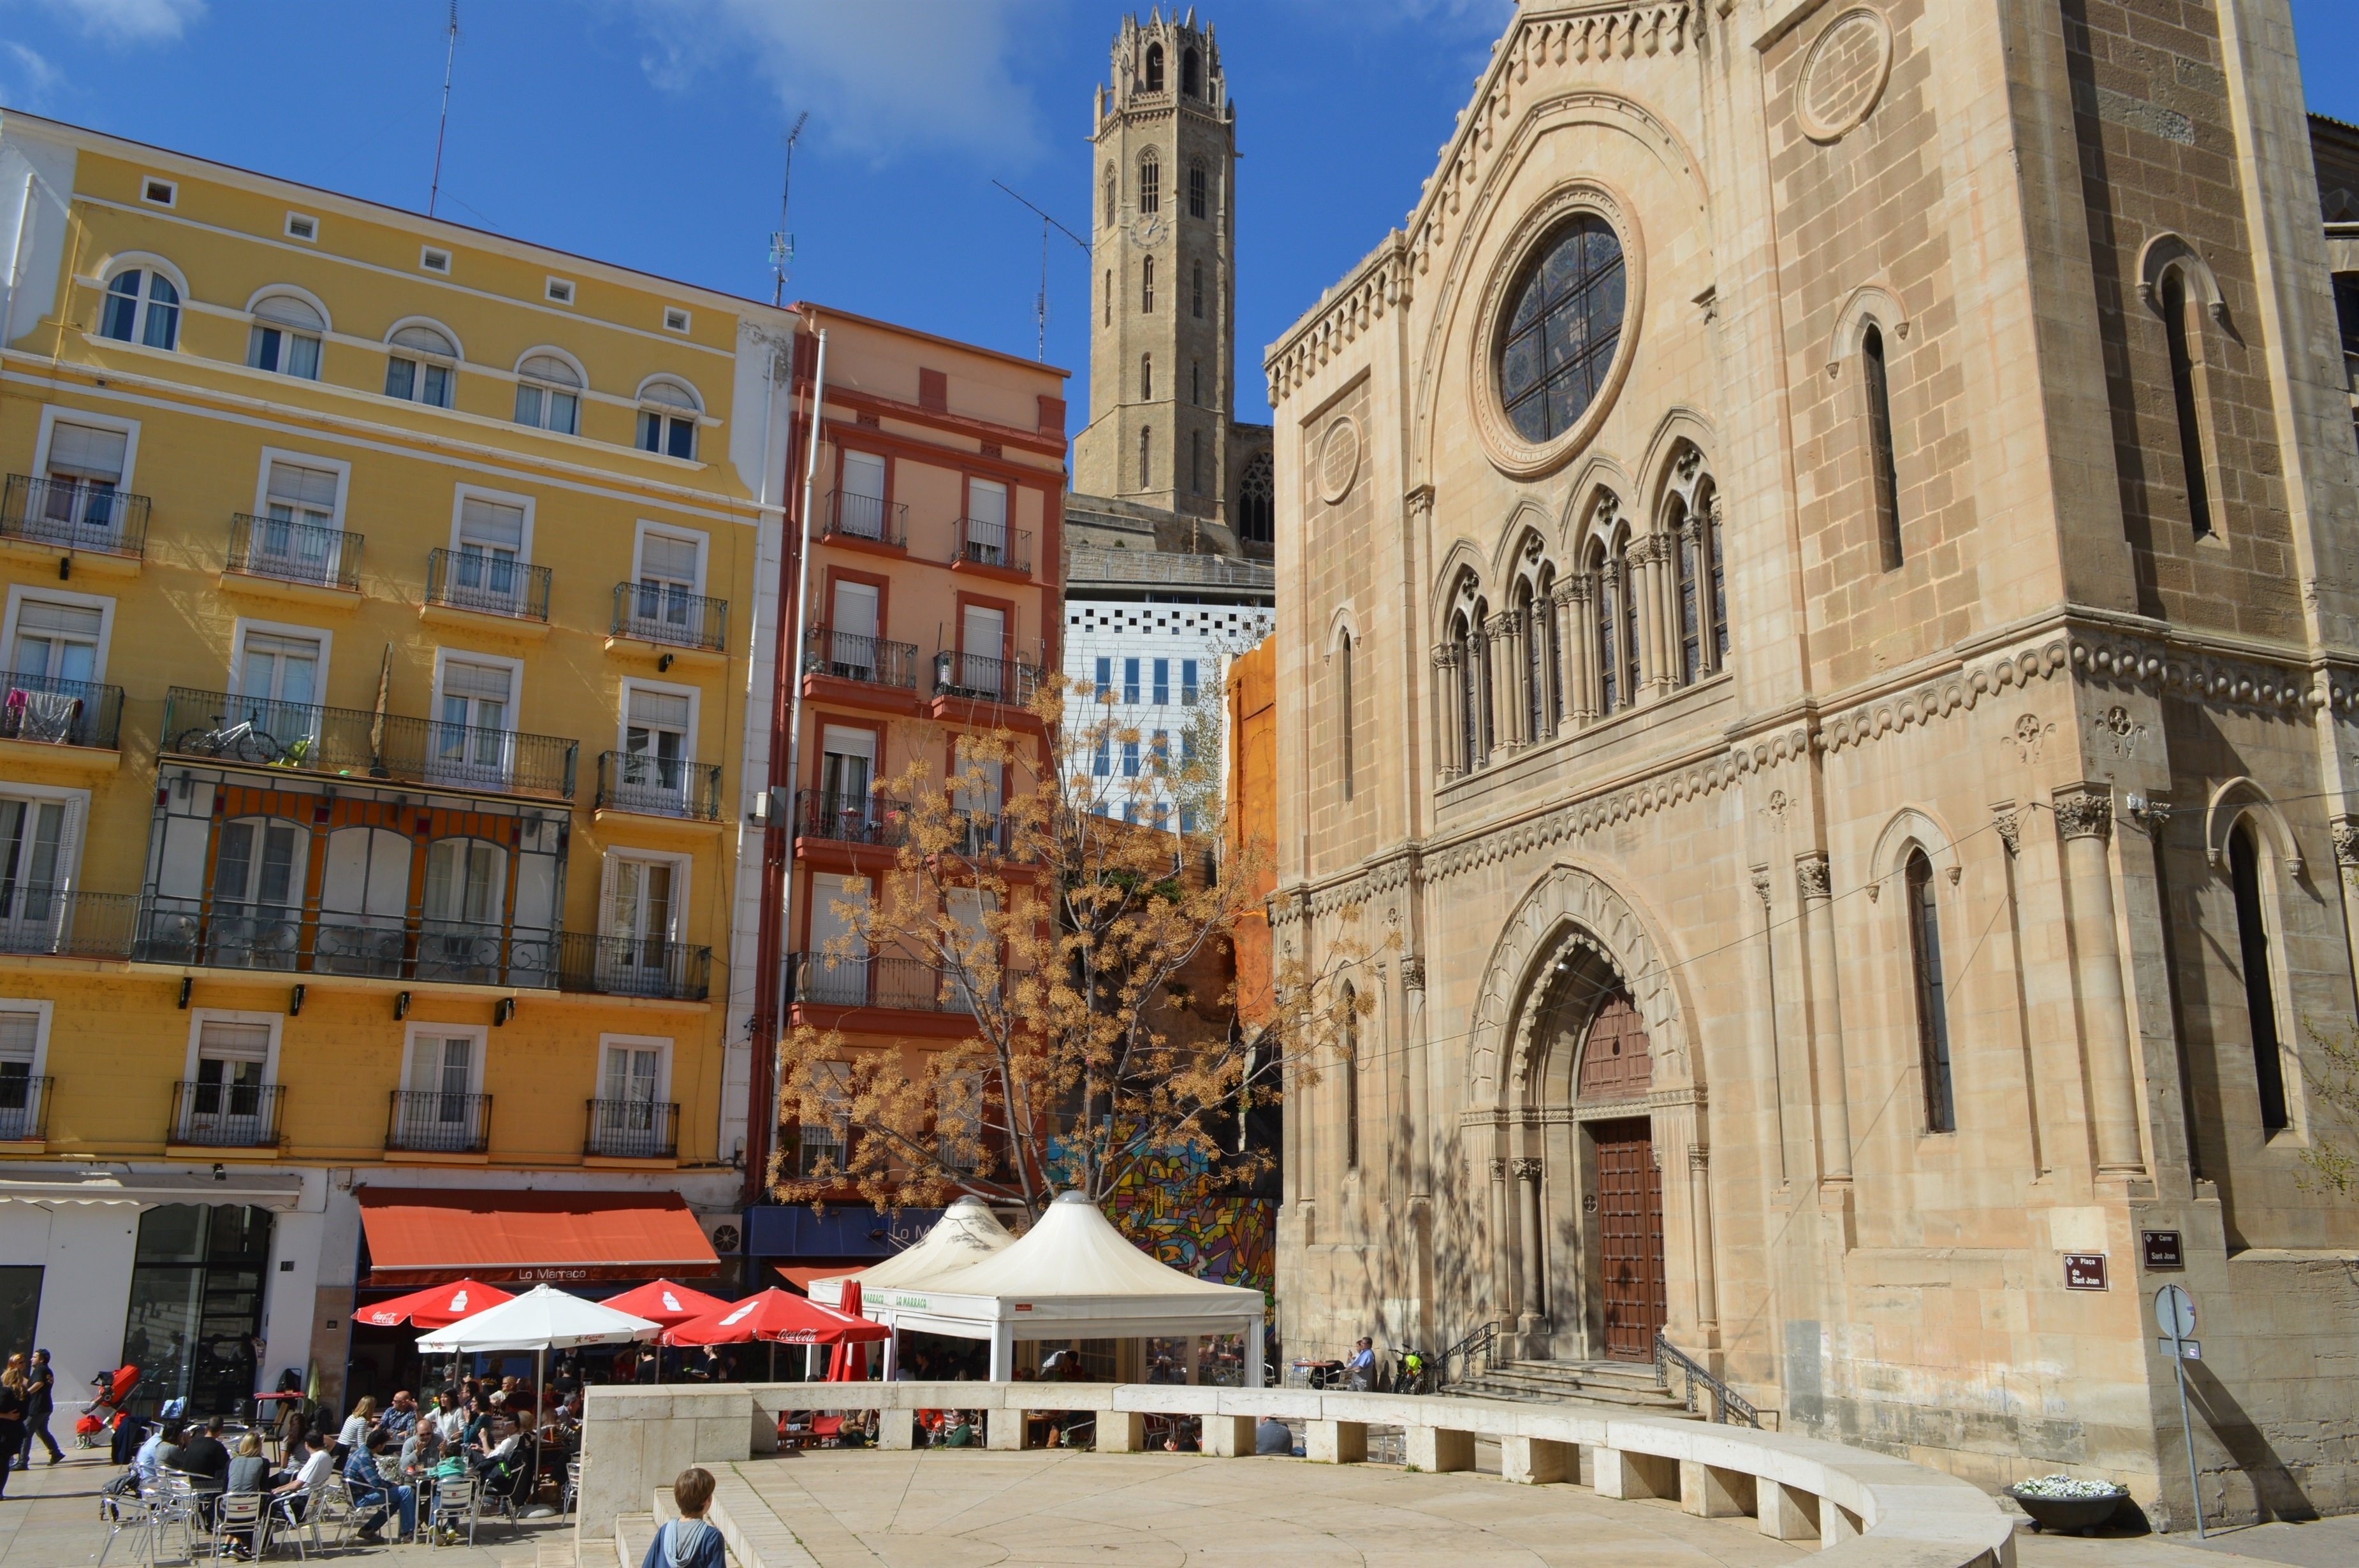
295, 486
667, 557
226, 1042
87, 450
482, 681
670, 394
855, 614
286, 310
20, 1035
549, 368
988, 502
657, 709
864, 475
77, 620
425, 341
491, 524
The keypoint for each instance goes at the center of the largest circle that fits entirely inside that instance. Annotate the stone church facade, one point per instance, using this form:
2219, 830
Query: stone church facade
1818, 658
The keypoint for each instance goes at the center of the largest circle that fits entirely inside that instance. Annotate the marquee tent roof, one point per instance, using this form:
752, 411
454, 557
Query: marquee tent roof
967, 1233
540, 1319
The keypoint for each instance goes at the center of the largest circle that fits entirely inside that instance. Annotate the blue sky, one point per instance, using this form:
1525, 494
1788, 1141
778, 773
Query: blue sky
649, 132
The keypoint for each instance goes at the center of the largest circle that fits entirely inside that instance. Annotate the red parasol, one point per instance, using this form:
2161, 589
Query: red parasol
779, 1316
667, 1304
437, 1307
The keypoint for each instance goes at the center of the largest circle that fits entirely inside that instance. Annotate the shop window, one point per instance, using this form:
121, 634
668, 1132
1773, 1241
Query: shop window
195, 1311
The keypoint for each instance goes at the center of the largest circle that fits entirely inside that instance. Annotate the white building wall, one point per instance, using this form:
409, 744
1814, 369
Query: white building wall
1119, 630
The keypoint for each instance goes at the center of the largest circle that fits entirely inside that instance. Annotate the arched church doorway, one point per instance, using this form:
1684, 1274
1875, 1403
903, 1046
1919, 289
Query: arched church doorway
1627, 1223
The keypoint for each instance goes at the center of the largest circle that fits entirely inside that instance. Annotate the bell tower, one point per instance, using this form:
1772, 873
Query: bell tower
1162, 289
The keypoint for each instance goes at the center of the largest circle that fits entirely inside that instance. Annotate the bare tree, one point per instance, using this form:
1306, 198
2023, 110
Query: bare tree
1087, 944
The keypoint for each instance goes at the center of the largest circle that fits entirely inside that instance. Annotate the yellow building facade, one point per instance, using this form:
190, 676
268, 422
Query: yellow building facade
379, 595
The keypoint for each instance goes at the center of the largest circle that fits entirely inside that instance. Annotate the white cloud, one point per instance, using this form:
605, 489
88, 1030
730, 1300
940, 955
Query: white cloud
26, 78
130, 21
878, 80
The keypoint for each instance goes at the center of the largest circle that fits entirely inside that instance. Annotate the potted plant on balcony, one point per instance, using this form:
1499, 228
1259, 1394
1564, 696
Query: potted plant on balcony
2060, 1502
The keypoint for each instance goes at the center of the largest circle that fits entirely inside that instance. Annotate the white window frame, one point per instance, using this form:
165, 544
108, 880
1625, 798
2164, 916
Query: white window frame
580, 392
128, 428
19, 592
292, 291
70, 833
558, 290
461, 494
469, 656
678, 319
660, 1044
44, 1009
428, 257
703, 541
242, 625
142, 260
294, 218
147, 184
683, 868
452, 361
201, 1016
413, 1030
343, 471
665, 689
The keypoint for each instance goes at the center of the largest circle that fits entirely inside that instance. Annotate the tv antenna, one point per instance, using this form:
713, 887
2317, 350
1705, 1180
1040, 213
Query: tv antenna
1041, 301
782, 243
450, 56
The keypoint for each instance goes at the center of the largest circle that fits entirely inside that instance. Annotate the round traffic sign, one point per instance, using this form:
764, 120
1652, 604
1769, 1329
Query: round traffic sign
2174, 1311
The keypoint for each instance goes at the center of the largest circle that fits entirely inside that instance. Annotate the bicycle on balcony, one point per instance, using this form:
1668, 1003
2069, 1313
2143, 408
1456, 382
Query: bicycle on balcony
242, 742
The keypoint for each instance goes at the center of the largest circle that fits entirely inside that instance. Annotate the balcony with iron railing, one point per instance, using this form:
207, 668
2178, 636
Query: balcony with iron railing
631, 1129
284, 550
487, 585
646, 967
24, 1107
226, 1115
993, 545
66, 923
351, 742
869, 661
435, 1121
851, 818
974, 678
905, 985
670, 617
73, 514
304, 939
649, 785
866, 519
43, 711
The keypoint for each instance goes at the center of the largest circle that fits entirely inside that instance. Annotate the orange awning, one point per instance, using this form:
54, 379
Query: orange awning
420, 1236
800, 1275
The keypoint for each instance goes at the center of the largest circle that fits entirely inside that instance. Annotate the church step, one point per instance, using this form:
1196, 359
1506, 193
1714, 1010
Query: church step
633, 1533
1615, 1374
1555, 1383
1525, 1393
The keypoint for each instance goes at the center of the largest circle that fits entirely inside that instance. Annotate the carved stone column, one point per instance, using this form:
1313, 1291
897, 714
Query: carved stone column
1688, 546
2085, 817
1534, 1306
1507, 713
1707, 1277
2346, 872
1826, 1019
1450, 744
1578, 640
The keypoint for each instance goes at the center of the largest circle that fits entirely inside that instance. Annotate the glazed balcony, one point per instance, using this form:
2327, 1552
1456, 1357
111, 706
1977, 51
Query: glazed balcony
429, 1121
631, 1129
670, 617
73, 514
487, 585
40, 711
287, 551
254, 732
217, 1115
644, 967
868, 661
648, 785
865, 520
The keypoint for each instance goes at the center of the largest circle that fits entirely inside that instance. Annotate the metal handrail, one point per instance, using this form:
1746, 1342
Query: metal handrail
1728, 1407
632, 966
844, 818
433, 1121
981, 679
489, 585
1483, 1340
866, 517
289, 551
67, 922
74, 515
980, 544
847, 655
48, 711
226, 1115
631, 1129
348, 742
909, 985
669, 614
650, 785
25, 1108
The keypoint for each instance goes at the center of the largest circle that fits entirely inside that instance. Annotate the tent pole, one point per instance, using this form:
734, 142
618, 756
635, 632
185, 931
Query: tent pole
540, 1374
774, 1360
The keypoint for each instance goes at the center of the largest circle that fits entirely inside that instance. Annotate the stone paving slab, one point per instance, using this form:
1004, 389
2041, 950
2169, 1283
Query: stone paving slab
977, 1510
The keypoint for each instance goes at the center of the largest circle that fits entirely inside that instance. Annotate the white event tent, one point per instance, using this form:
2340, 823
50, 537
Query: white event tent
967, 1233
1072, 1276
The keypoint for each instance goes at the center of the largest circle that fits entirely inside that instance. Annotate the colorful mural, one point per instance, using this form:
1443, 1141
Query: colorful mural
1177, 1209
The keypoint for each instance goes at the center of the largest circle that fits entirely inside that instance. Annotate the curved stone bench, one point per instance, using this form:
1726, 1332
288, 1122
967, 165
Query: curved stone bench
1866, 1509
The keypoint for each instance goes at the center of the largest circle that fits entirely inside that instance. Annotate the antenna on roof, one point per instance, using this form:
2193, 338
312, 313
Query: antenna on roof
1041, 301
782, 243
450, 56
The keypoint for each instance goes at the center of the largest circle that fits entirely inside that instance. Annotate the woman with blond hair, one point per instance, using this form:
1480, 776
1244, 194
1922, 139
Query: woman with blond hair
12, 1417
357, 1429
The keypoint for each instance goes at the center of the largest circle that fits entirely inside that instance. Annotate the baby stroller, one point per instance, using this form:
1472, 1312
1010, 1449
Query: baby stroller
115, 1391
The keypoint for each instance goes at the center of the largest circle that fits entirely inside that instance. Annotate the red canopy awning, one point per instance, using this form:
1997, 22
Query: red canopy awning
661, 1301
800, 1275
779, 1318
421, 1236
438, 1306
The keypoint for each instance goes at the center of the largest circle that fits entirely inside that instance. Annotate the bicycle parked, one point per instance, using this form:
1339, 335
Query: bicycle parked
244, 742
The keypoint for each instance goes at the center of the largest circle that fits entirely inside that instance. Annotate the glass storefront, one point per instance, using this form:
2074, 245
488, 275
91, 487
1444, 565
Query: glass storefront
195, 1320
20, 1305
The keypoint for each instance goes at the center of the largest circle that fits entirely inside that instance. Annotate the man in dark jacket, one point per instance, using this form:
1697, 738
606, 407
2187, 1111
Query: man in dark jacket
205, 1459
40, 1402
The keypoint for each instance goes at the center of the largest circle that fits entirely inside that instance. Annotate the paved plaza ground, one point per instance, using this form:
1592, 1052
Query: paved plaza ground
973, 1509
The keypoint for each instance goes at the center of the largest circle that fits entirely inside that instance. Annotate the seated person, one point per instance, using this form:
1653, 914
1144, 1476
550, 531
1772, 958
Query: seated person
372, 1489
1274, 1436
316, 1471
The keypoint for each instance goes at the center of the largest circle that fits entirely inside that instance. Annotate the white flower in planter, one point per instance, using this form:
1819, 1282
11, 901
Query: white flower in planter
2064, 1488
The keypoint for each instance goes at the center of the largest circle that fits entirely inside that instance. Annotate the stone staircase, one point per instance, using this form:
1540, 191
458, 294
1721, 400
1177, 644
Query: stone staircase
1627, 1385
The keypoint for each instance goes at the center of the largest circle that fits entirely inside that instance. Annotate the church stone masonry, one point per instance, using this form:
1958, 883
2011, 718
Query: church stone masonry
1838, 517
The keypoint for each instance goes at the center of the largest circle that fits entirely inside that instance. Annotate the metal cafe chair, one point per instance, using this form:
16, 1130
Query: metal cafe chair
240, 1515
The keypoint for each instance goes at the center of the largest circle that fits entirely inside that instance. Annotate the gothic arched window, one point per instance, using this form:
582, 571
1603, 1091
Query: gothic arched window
1150, 185
1471, 655
1257, 502
1112, 197
1562, 329
1146, 453
1529, 608
1343, 707
1707, 517
1147, 378
2260, 993
1886, 476
1146, 289
1610, 695
1199, 201
1932, 997
1686, 542
1154, 67
1191, 74
2185, 339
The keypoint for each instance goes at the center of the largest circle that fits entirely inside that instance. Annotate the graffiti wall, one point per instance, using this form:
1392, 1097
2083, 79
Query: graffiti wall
1175, 1208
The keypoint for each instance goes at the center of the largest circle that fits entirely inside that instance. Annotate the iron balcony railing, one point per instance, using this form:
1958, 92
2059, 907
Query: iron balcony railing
849, 818
979, 832
298, 940
432, 1121
633, 965
289, 551
911, 985
66, 923
662, 612
982, 544
490, 585
349, 741
52, 712
23, 1107
631, 1129
847, 655
226, 1115
979, 679
74, 515
868, 518
659, 786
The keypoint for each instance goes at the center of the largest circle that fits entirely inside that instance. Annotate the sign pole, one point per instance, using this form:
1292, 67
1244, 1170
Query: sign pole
2186, 1426
2174, 1314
